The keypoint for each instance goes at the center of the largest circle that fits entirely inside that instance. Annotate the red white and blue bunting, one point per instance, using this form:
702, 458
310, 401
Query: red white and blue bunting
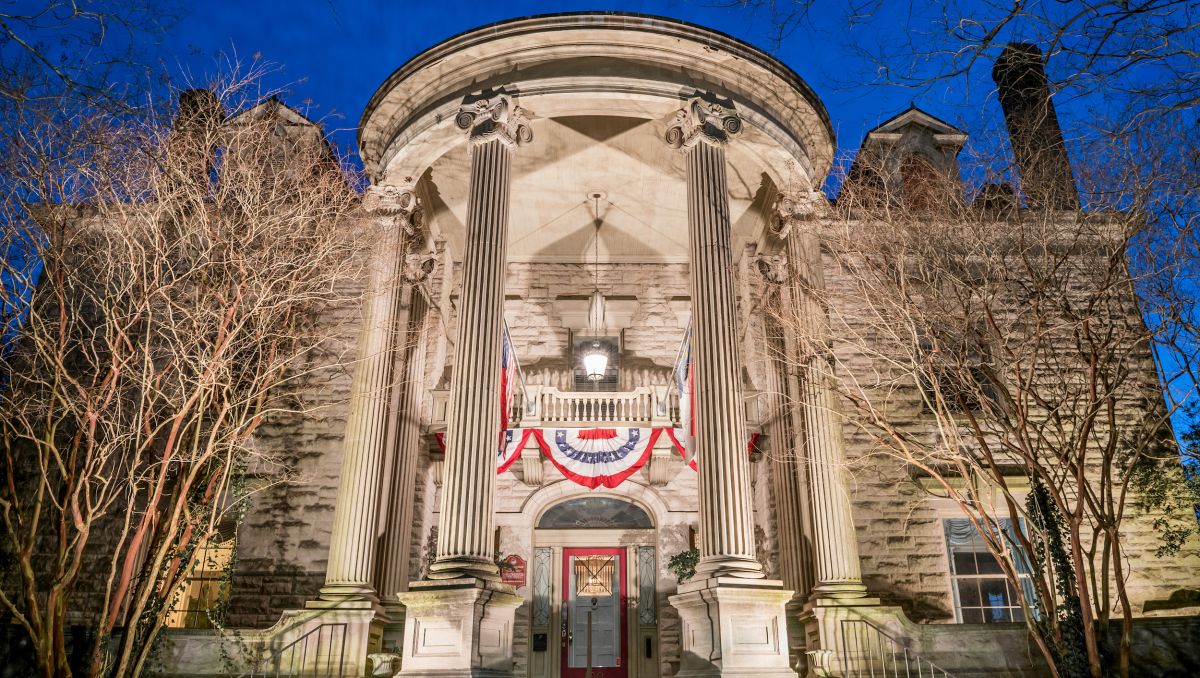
677, 436
509, 449
593, 457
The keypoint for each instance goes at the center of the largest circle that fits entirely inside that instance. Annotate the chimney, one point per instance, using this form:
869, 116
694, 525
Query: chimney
198, 108
1037, 140
192, 142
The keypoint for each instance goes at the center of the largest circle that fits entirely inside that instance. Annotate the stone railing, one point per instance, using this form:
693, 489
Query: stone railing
648, 406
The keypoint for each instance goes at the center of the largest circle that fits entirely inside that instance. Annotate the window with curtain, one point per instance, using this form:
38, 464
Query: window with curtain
982, 594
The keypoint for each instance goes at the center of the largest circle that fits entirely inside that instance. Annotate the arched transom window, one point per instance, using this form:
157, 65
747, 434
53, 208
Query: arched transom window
595, 513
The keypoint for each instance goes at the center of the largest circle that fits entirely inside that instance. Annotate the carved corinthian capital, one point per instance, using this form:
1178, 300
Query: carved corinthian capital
396, 202
773, 267
793, 207
493, 116
418, 266
706, 118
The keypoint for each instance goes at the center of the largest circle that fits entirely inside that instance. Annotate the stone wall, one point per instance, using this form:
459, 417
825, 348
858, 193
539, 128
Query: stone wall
900, 534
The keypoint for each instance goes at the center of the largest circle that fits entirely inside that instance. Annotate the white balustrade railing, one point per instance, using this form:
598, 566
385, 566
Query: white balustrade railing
656, 406
572, 407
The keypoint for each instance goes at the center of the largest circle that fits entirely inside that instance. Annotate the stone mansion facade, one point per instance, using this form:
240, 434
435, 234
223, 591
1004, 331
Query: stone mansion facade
578, 205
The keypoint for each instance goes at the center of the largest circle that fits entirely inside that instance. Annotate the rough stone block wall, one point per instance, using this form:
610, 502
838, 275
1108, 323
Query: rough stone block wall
900, 534
283, 543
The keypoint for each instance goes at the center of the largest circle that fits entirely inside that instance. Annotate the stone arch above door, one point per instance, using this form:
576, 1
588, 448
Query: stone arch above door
642, 496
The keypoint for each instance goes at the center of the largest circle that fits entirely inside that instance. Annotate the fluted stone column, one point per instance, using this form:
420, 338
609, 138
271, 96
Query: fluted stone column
788, 472
465, 525
726, 516
460, 621
404, 440
835, 542
787, 451
349, 575
734, 621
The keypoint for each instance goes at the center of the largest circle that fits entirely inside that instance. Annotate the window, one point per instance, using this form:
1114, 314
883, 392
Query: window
205, 589
595, 512
982, 594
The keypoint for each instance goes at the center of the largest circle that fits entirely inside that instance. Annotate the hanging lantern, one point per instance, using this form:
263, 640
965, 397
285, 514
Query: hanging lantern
595, 362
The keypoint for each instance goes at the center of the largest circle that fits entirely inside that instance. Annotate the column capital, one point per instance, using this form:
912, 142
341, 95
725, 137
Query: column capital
396, 202
418, 266
793, 207
706, 117
493, 116
773, 267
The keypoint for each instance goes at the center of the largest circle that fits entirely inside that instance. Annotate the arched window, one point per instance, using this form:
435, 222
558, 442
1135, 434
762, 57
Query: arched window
589, 513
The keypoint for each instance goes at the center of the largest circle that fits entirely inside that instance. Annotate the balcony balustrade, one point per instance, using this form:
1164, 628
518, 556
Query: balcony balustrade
647, 406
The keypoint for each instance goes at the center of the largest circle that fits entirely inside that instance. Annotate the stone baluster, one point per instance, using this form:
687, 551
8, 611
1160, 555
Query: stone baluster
352, 544
835, 543
465, 541
702, 130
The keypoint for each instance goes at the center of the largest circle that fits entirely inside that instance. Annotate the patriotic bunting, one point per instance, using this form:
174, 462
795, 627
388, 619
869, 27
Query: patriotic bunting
593, 457
676, 435
508, 451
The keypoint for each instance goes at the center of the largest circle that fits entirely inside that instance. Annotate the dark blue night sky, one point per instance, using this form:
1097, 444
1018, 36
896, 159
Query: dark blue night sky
331, 55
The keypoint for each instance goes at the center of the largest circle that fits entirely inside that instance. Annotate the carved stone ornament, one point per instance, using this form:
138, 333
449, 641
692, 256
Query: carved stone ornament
793, 207
418, 267
398, 202
705, 118
773, 267
494, 117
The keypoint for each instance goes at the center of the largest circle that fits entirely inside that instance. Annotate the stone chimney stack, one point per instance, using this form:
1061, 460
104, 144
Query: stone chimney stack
1037, 140
192, 136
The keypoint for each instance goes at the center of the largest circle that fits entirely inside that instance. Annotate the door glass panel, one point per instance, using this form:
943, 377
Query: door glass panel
595, 594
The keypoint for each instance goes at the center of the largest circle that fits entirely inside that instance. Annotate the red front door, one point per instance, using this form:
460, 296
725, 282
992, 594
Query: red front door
593, 628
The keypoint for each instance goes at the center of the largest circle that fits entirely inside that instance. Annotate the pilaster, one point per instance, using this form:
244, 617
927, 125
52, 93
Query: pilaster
404, 442
835, 542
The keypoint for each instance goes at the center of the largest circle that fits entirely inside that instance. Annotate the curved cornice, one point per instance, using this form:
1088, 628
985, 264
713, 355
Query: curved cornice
424, 83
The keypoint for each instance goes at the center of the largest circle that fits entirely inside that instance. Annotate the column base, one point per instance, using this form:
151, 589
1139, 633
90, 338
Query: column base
826, 631
393, 626
464, 568
733, 627
721, 567
458, 628
348, 592
797, 643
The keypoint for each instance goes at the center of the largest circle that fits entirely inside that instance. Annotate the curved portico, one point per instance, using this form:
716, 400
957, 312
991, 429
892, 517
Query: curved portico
586, 139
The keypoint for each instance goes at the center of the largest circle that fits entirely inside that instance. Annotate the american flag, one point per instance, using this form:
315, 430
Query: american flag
685, 381
508, 378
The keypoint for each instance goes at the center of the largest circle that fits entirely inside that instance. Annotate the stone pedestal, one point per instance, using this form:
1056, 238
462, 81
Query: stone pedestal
733, 626
835, 644
458, 627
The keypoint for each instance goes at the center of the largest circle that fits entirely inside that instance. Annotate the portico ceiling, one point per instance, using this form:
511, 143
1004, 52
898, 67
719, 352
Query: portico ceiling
641, 206
600, 90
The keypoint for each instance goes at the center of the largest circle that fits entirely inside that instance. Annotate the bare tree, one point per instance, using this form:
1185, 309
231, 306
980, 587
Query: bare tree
1145, 55
1012, 371
185, 268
